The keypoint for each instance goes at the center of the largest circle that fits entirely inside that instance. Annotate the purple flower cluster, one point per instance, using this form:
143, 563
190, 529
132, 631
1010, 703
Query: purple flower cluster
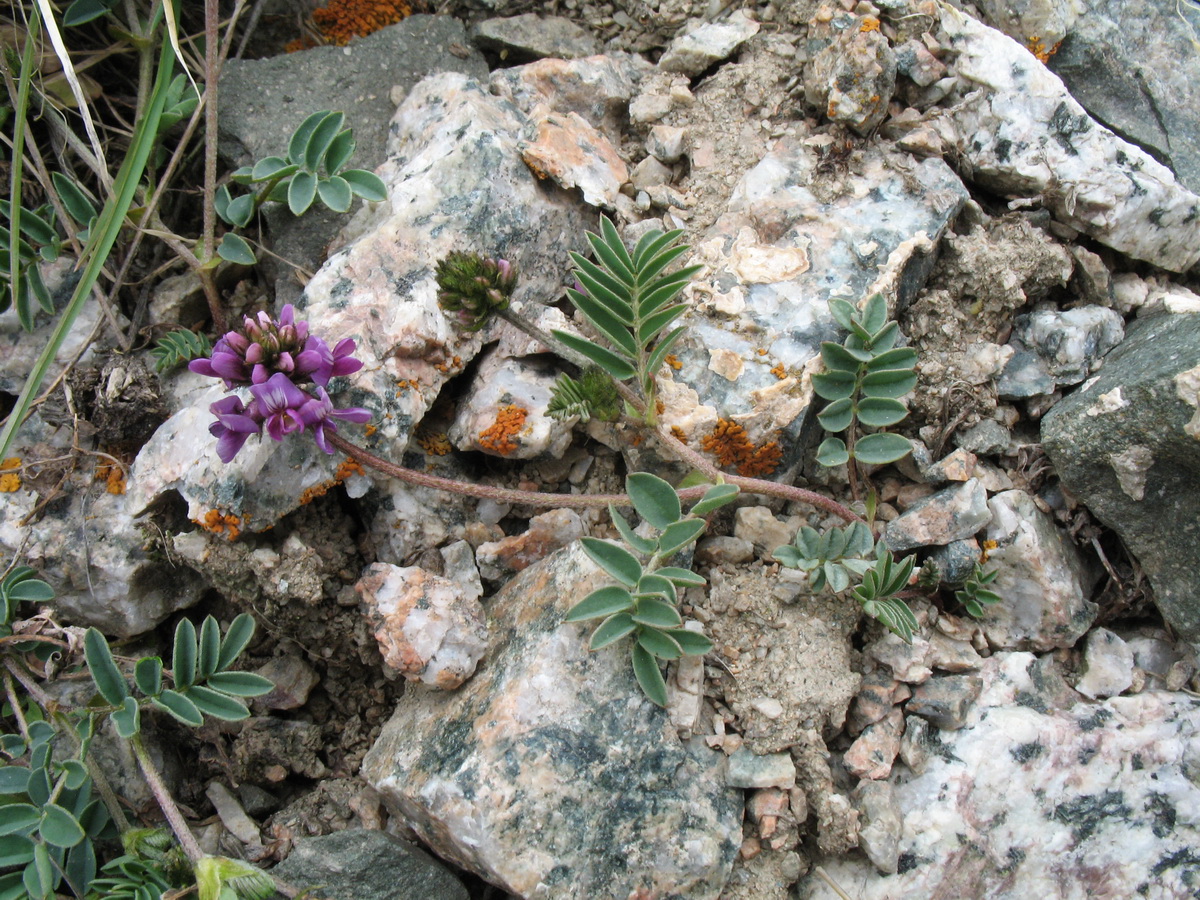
273, 358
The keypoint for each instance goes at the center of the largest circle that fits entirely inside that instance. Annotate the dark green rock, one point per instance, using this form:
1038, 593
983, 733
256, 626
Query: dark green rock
1128, 446
367, 865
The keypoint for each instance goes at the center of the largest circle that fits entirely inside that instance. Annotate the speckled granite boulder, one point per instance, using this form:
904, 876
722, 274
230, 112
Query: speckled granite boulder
1094, 800
1128, 446
549, 773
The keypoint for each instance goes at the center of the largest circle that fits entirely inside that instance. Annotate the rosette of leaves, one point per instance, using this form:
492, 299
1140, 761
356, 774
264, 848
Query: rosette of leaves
314, 169
202, 680
877, 593
863, 380
974, 595
178, 348
49, 818
643, 605
629, 300
473, 286
832, 557
593, 396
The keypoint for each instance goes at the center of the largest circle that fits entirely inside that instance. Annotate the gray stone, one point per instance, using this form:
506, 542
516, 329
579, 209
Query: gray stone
724, 550
952, 655
513, 775
986, 438
1133, 66
873, 752
758, 525
1043, 579
956, 560
853, 78
263, 100
1023, 136
546, 533
750, 770
293, 678
666, 143
945, 700
527, 37
1095, 800
367, 865
1039, 25
695, 50
881, 824
1107, 665
1058, 348
952, 514
1128, 446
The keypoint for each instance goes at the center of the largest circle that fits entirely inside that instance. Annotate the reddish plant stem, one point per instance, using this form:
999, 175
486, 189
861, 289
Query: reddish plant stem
581, 501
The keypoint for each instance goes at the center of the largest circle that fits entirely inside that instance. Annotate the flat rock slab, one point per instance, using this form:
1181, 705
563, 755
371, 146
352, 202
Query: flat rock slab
794, 235
1128, 446
1098, 800
549, 773
367, 865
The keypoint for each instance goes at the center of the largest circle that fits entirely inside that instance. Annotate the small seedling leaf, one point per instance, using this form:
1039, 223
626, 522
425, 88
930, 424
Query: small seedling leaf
236, 639
878, 449
832, 452
180, 707
660, 644
147, 675
601, 603
654, 499
219, 706
240, 684
649, 676
183, 658
680, 535
109, 681
611, 630
616, 561
366, 185
233, 248
59, 827
657, 613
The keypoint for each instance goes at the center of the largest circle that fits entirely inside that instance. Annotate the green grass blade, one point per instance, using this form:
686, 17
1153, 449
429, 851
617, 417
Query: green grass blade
24, 82
100, 243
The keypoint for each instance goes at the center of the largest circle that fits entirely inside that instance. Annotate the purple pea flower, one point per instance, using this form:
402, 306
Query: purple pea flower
279, 402
235, 423
225, 363
318, 415
319, 363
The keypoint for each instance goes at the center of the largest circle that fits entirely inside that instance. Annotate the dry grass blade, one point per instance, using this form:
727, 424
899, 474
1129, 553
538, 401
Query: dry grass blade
68, 67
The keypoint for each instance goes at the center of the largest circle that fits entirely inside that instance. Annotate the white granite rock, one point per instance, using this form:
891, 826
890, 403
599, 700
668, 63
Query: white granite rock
1058, 348
1043, 580
698, 48
1107, 665
426, 628
952, 514
1023, 135
1096, 800
549, 773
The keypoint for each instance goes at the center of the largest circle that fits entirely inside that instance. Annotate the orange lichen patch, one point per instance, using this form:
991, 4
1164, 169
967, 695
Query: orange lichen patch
673, 361
221, 523
370, 430
445, 367
318, 490
341, 20
497, 437
347, 468
678, 434
730, 444
988, 547
1038, 48
434, 443
779, 371
403, 385
869, 23
113, 476
301, 43
10, 481
762, 351
636, 440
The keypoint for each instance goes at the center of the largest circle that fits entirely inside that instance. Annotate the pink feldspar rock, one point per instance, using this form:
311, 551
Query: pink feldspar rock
426, 628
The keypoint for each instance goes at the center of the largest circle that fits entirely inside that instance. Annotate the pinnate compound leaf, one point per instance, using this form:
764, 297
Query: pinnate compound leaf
654, 499
649, 676
366, 185
183, 659
879, 412
234, 248
128, 719
612, 239
236, 639
838, 359
147, 675
659, 354
889, 383
109, 681
637, 542
655, 584
878, 449
693, 643
714, 498
606, 322
210, 648
611, 260
19, 817
302, 190
59, 827
834, 385
651, 243
616, 561
874, 315
612, 630
335, 193
843, 311
601, 603
680, 535
217, 705
681, 577
837, 416
240, 684
180, 707
833, 452
659, 644
657, 613
616, 366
